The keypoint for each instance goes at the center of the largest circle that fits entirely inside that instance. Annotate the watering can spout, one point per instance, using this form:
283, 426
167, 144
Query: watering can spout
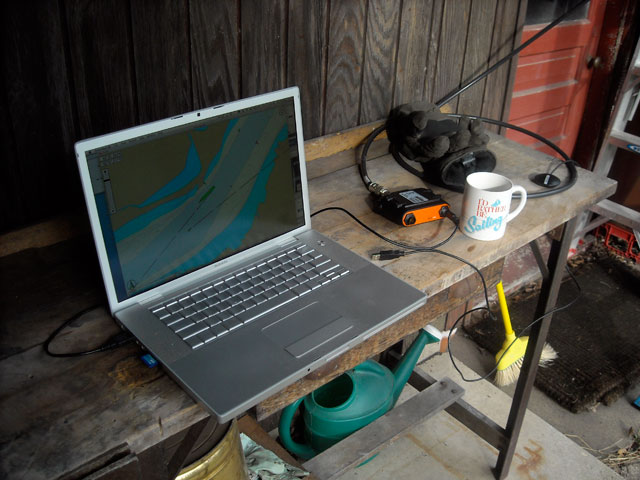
402, 371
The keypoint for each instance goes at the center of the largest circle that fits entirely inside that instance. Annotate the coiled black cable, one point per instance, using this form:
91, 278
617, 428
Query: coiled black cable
362, 164
568, 162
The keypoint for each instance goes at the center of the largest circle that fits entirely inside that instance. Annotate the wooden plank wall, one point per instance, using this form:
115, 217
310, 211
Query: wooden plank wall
72, 69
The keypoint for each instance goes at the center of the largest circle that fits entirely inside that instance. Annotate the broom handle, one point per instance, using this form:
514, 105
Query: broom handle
503, 308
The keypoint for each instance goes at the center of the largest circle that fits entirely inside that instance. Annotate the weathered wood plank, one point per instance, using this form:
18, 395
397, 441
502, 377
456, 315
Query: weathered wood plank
71, 399
160, 461
101, 55
11, 192
476, 55
364, 443
434, 45
619, 213
263, 48
255, 432
215, 54
161, 56
379, 60
465, 413
96, 464
502, 42
66, 286
513, 65
344, 64
126, 468
90, 406
326, 147
306, 60
323, 147
452, 43
346, 158
413, 51
37, 115
42, 234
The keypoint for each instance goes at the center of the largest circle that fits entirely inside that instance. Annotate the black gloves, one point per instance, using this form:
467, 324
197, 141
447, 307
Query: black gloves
448, 150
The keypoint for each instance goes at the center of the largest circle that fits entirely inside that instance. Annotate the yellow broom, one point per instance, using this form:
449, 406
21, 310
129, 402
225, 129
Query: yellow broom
509, 366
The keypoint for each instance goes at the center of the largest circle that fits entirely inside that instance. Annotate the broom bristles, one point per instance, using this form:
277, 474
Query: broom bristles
548, 355
510, 374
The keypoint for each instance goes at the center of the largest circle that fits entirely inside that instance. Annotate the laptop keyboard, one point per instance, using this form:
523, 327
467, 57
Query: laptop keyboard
209, 312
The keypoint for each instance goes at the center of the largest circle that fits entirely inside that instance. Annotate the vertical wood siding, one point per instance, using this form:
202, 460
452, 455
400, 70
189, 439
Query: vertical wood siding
413, 51
73, 69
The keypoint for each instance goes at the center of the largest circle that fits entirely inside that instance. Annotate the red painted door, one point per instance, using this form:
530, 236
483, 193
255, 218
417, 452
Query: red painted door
553, 75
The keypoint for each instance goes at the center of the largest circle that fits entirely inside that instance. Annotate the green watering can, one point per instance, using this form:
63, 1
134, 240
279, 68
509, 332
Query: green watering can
351, 401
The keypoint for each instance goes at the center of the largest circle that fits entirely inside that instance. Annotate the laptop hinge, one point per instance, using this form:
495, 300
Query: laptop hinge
151, 299
288, 241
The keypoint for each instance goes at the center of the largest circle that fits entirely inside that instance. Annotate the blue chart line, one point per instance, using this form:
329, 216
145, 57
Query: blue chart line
233, 236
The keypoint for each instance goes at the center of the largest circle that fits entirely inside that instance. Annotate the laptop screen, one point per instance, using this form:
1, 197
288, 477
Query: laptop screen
176, 200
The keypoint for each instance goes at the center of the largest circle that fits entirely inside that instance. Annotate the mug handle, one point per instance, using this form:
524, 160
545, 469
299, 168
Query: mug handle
523, 200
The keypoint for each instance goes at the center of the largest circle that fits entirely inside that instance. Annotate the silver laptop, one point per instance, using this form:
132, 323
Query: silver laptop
203, 232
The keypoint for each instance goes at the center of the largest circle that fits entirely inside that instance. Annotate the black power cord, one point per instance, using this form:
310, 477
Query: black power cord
371, 186
115, 341
519, 335
390, 254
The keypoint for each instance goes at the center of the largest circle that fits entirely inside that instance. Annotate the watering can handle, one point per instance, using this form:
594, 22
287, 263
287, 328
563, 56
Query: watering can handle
284, 429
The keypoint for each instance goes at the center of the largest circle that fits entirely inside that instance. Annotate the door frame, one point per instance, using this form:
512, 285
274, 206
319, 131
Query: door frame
618, 37
581, 38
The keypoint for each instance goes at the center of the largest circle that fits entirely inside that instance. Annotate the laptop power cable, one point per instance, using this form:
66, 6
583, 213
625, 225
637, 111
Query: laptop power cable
117, 340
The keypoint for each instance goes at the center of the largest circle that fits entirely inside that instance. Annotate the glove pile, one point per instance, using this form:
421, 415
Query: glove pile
447, 150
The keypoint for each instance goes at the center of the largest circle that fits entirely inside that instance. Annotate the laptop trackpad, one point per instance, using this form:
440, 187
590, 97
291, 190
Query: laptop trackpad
307, 329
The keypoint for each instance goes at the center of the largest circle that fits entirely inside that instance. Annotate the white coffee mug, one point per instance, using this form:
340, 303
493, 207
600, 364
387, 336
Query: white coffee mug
486, 203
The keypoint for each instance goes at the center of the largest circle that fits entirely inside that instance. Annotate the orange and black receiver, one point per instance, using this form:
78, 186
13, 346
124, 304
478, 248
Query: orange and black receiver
410, 207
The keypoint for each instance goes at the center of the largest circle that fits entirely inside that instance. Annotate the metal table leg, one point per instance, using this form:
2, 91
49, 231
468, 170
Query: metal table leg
537, 337
539, 259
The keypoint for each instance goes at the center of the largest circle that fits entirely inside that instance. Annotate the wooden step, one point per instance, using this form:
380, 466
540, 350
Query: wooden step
625, 140
619, 213
369, 440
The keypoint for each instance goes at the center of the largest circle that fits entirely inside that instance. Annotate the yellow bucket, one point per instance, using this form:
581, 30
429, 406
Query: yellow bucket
224, 462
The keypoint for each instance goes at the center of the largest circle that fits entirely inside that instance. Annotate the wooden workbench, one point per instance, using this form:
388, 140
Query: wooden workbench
71, 417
